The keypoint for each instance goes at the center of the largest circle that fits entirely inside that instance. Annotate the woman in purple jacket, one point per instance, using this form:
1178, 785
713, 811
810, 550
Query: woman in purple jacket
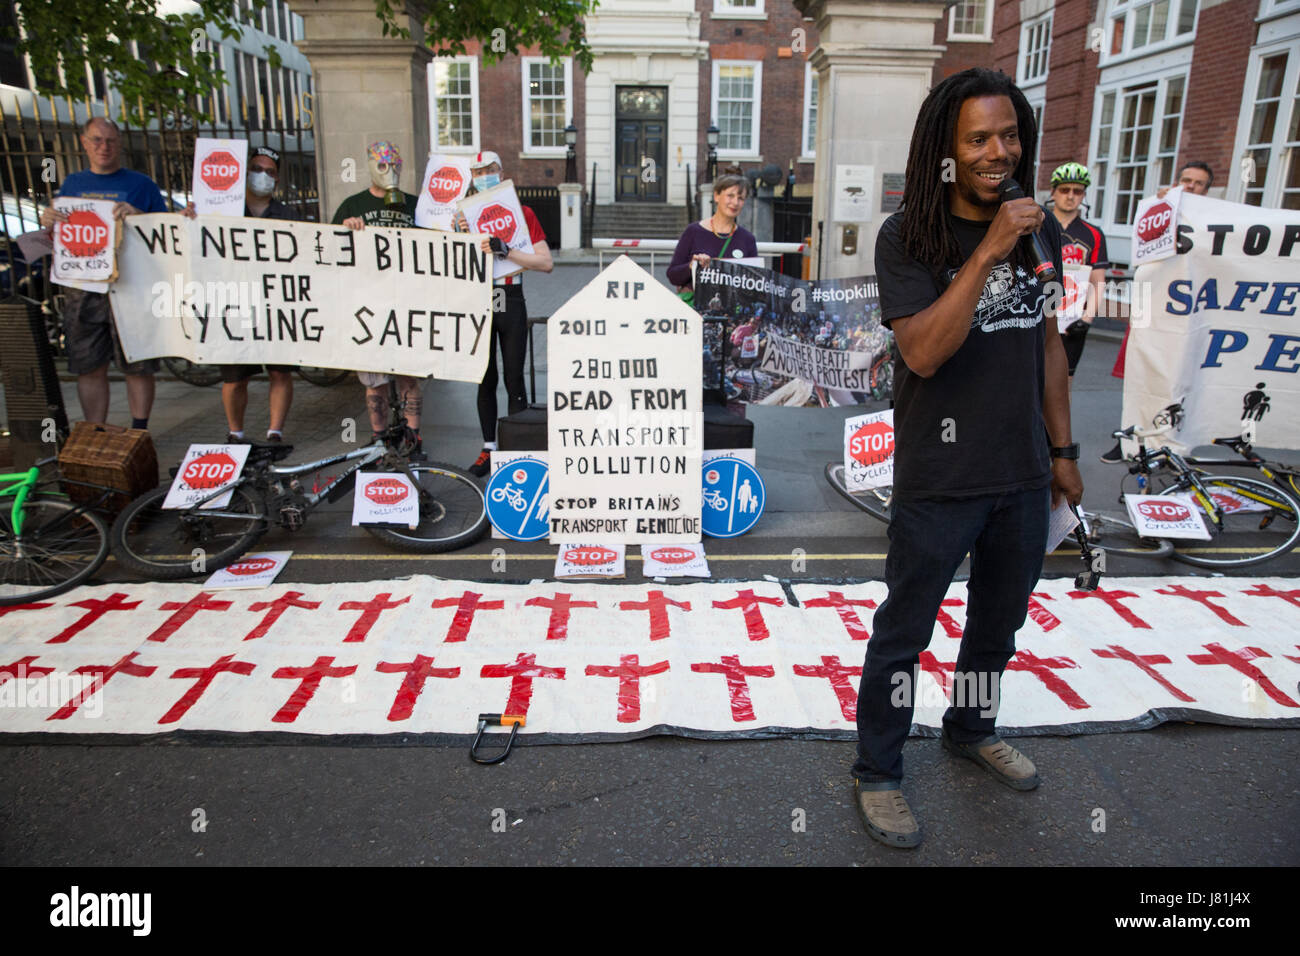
703, 240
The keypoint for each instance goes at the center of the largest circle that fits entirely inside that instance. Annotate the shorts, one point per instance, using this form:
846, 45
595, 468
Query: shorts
90, 336
375, 379
242, 373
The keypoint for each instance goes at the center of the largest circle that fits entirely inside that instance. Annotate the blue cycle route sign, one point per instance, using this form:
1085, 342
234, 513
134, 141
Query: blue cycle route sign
733, 497
517, 502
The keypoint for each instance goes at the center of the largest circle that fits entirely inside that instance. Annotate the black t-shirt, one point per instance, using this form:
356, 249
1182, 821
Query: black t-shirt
372, 211
975, 427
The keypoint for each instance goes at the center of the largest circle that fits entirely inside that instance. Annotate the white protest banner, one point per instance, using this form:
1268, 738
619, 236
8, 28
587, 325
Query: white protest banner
1154, 227
834, 368
1074, 300
204, 470
257, 570
497, 212
1166, 516
674, 561
446, 180
220, 176
84, 245
217, 290
626, 424
590, 561
385, 497
869, 451
1218, 350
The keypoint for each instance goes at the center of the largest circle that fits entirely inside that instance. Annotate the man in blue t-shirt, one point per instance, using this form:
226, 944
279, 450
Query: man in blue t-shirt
89, 333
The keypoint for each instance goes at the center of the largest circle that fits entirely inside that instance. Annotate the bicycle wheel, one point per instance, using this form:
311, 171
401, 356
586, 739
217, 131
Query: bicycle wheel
162, 544
1260, 521
876, 502
61, 546
1118, 536
323, 376
452, 512
187, 371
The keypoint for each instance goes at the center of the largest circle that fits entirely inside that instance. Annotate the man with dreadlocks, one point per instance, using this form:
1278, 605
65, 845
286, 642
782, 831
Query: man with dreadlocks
982, 431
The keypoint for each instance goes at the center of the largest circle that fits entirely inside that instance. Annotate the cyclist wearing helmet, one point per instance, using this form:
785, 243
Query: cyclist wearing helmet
1082, 244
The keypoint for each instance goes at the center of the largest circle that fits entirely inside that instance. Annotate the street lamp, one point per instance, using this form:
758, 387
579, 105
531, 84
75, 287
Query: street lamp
711, 137
571, 157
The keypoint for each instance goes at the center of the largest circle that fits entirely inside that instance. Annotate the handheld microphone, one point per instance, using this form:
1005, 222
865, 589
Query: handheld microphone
1033, 244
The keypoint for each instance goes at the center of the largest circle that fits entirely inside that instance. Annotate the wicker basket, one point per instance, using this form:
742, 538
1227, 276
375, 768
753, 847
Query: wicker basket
108, 456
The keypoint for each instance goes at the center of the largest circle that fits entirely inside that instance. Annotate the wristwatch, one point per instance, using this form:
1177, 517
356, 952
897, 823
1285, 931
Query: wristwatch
1066, 451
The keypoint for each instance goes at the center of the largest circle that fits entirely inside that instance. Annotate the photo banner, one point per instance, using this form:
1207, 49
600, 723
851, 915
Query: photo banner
222, 290
793, 341
1215, 343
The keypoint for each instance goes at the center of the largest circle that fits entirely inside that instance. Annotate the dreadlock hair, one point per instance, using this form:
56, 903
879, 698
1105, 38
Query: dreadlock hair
926, 229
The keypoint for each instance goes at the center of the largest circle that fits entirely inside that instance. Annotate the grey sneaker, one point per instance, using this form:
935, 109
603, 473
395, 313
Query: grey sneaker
885, 814
1007, 764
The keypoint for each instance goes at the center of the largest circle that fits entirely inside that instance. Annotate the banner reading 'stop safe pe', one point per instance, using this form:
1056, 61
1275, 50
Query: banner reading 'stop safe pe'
793, 341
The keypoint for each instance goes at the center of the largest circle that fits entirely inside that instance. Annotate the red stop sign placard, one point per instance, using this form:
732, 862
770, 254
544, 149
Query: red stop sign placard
590, 556
209, 471
672, 555
872, 443
387, 491
445, 185
1163, 511
1155, 221
85, 233
219, 170
497, 220
251, 566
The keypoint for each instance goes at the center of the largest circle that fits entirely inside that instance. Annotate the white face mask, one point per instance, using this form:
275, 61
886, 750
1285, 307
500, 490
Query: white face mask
486, 181
260, 183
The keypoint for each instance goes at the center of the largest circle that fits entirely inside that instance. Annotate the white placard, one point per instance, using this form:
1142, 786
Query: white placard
1076, 282
1155, 227
869, 451
446, 180
497, 212
626, 426
744, 454
256, 570
217, 290
220, 176
669, 560
853, 193
1166, 516
590, 561
85, 245
385, 497
204, 470
1233, 503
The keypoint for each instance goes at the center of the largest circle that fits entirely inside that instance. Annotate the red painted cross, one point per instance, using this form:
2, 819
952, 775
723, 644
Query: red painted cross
310, 678
205, 675
1296, 659
749, 603
102, 675
274, 609
95, 609
838, 674
466, 606
23, 607
1113, 599
522, 673
21, 670
942, 671
417, 672
1042, 668
1041, 615
184, 611
1203, 597
657, 605
370, 611
1265, 590
737, 686
1145, 663
950, 625
557, 626
1240, 662
629, 673
844, 608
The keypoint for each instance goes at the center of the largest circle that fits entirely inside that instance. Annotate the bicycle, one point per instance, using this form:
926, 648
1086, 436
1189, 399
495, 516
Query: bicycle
48, 545
1286, 477
163, 544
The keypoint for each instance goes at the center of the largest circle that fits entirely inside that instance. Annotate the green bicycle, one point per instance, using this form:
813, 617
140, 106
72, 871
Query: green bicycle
48, 544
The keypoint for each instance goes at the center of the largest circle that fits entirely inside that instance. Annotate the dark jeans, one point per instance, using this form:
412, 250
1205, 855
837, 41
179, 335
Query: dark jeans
510, 332
1005, 536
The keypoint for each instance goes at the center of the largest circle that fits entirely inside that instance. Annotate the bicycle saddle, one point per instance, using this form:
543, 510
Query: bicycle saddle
269, 451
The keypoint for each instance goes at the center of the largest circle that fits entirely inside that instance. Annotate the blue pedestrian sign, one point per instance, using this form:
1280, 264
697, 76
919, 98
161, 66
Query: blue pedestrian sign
733, 497
517, 502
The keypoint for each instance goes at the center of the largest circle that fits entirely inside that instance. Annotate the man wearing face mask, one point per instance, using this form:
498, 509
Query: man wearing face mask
383, 204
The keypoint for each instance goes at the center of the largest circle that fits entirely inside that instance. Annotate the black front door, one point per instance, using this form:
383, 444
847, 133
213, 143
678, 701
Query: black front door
641, 147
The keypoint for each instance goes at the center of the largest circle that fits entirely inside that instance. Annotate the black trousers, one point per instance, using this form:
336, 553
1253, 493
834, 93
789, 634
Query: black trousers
510, 332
